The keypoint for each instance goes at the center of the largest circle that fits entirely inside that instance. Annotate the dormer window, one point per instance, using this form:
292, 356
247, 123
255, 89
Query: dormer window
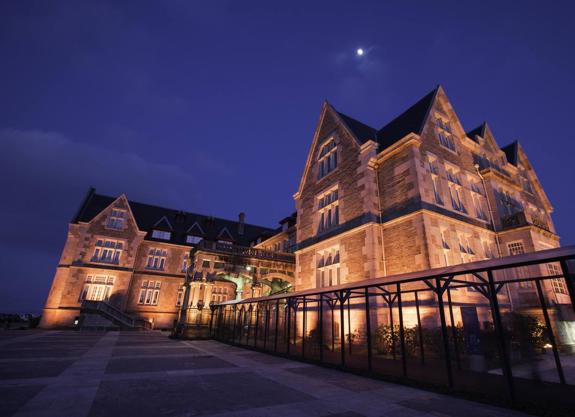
117, 219
194, 240
327, 160
161, 234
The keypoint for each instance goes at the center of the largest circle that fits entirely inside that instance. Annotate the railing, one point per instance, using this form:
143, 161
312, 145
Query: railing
115, 314
246, 251
520, 219
462, 329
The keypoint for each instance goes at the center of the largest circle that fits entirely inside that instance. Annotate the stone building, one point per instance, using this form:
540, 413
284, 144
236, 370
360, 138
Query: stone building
127, 263
419, 193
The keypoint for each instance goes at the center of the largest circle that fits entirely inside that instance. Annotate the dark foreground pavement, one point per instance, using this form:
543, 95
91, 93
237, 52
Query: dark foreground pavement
72, 374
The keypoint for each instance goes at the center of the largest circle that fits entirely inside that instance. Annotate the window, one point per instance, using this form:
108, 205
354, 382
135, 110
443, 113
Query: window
525, 181
116, 219
558, 284
108, 251
327, 160
436, 193
156, 259
328, 212
456, 202
328, 272
445, 247
205, 263
150, 292
446, 140
194, 240
161, 234
515, 248
480, 214
487, 250
180, 297
508, 204
97, 288
434, 170
185, 262
219, 265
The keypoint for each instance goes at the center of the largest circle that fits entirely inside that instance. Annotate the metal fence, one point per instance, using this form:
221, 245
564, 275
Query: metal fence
500, 330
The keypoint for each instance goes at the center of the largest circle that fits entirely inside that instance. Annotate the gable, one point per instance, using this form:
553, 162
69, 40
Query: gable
332, 125
104, 209
225, 234
164, 224
195, 229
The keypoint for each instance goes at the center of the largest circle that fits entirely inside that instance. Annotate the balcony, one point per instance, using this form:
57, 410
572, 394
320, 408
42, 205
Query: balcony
245, 251
520, 219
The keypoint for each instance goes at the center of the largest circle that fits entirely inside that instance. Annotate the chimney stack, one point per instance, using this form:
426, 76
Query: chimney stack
241, 221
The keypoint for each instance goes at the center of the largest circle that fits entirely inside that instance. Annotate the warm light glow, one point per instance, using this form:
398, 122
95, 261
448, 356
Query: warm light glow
359, 52
248, 268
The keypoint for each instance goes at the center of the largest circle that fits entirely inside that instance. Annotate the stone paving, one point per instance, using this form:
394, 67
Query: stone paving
72, 374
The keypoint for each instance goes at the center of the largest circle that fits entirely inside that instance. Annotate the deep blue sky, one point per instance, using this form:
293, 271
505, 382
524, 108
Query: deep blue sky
211, 106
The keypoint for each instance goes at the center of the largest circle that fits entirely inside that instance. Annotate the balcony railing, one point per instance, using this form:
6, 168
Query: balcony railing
246, 251
520, 219
460, 329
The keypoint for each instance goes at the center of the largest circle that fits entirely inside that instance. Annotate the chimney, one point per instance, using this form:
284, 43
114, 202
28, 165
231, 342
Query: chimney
241, 221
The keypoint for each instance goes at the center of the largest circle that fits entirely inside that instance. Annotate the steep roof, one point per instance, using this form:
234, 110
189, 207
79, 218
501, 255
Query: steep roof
478, 131
512, 152
407, 122
148, 218
361, 131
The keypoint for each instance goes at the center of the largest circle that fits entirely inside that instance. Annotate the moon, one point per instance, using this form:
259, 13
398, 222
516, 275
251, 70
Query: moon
359, 52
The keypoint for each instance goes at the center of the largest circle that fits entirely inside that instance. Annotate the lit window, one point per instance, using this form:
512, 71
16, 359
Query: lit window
180, 297
327, 160
156, 259
558, 284
108, 251
149, 293
328, 271
97, 288
328, 212
161, 234
116, 219
516, 248
185, 262
194, 240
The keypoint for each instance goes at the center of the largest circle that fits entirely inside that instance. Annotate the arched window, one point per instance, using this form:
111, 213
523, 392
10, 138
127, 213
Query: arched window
327, 159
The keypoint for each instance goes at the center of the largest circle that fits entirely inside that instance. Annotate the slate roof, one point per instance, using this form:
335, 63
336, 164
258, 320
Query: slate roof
409, 121
478, 131
361, 131
511, 152
149, 217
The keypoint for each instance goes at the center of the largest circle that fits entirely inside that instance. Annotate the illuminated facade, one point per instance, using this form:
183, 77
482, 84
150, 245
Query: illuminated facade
127, 263
419, 193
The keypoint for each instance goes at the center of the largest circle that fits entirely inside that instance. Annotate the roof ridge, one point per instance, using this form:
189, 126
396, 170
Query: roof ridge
183, 211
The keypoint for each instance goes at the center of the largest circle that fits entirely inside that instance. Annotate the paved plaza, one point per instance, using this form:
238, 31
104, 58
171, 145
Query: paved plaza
72, 374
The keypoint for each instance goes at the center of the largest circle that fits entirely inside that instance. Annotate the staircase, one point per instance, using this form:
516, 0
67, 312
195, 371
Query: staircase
109, 314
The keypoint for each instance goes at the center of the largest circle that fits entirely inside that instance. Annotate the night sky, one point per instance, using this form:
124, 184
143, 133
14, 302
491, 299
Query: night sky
210, 106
